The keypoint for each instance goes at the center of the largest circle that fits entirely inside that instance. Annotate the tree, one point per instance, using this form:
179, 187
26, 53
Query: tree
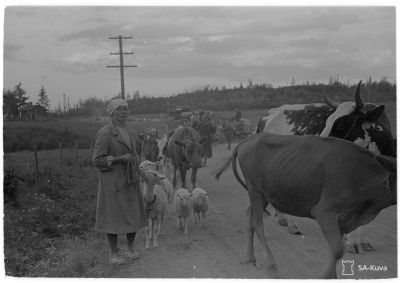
19, 93
136, 95
250, 83
10, 103
43, 99
128, 96
93, 106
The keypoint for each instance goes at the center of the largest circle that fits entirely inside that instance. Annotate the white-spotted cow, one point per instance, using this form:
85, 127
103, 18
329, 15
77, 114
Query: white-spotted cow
337, 183
364, 124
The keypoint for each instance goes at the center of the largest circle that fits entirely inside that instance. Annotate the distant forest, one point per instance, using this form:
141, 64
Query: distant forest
251, 96
263, 97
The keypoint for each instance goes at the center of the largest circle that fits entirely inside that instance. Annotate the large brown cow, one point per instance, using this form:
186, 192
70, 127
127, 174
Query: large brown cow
333, 181
185, 150
365, 124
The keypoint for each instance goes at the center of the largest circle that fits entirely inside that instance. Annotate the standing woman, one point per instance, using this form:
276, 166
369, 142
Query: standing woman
120, 205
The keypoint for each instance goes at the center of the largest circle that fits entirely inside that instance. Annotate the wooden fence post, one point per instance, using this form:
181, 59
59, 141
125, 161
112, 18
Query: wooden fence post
60, 160
90, 154
76, 152
36, 163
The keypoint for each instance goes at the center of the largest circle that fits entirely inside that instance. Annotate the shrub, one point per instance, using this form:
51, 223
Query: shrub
11, 182
51, 211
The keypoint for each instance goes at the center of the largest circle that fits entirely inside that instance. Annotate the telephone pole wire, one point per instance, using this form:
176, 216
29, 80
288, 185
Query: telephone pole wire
121, 66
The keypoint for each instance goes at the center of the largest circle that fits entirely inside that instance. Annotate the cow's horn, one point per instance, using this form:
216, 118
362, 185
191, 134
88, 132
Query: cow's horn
359, 103
329, 101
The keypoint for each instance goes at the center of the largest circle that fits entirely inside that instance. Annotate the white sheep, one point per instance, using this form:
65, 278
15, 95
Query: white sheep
162, 165
199, 202
156, 206
182, 207
149, 165
164, 183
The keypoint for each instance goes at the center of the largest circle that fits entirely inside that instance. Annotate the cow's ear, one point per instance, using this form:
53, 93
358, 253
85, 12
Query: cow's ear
388, 162
373, 115
202, 140
180, 143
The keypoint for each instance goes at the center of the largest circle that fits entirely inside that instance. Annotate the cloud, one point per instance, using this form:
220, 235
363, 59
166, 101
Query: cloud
12, 52
175, 45
92, 61
85, 58
91, 35
19, 12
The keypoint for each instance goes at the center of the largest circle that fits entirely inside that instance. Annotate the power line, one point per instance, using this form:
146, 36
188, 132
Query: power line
121, 65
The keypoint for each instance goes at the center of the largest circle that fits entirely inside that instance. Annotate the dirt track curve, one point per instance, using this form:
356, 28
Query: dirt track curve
215, 251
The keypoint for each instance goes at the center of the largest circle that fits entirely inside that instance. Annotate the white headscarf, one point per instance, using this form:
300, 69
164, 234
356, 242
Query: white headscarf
113, 104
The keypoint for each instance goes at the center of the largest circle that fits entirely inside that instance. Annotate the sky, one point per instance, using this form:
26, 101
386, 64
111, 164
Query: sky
66, 49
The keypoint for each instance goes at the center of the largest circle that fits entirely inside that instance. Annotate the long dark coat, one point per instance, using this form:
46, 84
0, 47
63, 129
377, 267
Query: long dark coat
206, 129
120, 205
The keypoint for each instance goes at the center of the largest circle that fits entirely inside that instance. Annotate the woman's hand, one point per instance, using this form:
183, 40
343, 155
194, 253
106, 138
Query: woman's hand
123, 158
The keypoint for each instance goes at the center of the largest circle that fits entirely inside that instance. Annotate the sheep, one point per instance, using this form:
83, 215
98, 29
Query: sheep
167, 187
164, 183
162, 165
148, 165
199, 203
156, 206
182, 207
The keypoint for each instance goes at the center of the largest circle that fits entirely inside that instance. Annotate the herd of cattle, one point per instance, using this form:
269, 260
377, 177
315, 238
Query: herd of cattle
333, 162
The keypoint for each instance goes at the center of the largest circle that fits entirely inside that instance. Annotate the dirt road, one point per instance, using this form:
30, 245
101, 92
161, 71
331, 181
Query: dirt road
215, 251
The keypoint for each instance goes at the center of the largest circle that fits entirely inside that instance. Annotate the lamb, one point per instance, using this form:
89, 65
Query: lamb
164, 183
156, 206
199, 203
162, 165
148, 165
182, 207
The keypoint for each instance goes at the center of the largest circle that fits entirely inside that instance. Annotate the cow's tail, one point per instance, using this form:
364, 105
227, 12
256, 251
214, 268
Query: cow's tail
232, 159
235, 172
225, 165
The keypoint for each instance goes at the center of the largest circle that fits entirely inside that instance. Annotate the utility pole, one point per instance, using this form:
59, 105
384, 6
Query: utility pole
121, 61
64, 102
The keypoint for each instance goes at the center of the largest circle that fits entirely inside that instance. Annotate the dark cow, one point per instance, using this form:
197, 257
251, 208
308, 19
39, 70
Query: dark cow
337, 183
150, 150
364, 124
185, 150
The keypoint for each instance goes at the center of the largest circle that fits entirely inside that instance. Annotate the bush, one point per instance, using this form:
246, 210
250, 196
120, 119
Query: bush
51, 212
11, 182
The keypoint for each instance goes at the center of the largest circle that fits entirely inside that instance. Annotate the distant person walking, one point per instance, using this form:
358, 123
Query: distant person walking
194, 123
238, 115
205, 128
120, 205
